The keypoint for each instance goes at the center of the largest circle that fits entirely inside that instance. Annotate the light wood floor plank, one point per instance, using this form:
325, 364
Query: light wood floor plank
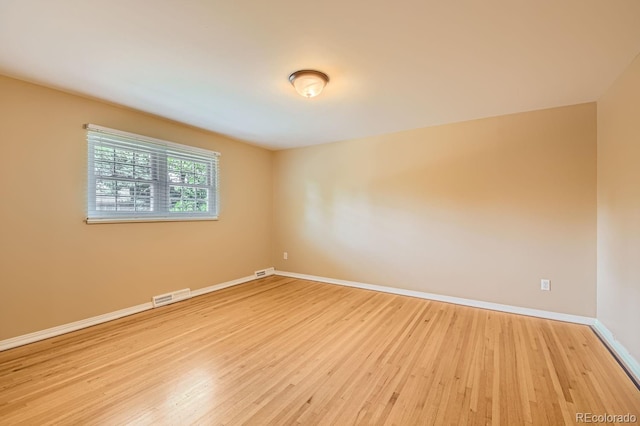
287, 351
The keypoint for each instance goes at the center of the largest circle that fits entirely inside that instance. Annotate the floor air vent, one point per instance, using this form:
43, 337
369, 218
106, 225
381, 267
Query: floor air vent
265, 272
175, 296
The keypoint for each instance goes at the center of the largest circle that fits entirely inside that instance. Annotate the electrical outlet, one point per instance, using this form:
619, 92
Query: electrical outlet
545, 285
285, 255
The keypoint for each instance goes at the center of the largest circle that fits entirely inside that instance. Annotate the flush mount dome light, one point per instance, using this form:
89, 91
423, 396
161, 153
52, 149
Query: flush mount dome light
309, 83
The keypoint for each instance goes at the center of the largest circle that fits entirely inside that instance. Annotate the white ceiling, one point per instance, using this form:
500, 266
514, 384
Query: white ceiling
222, 65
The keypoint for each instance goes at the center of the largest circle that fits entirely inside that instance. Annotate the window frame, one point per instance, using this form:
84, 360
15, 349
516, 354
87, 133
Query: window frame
160, 182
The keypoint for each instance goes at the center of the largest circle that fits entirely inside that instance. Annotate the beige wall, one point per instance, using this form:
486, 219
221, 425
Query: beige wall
55, 269
619, 209
481, 209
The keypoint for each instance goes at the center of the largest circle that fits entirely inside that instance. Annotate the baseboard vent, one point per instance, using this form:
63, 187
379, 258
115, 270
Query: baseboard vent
265, 272
174, 296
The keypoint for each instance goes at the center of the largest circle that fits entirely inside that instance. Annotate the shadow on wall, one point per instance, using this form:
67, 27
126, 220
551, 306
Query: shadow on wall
452, 213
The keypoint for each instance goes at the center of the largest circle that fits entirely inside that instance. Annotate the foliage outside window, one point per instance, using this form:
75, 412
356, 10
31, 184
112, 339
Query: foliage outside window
133, 177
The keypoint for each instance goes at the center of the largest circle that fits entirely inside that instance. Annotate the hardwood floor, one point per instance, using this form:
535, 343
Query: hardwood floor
288, 351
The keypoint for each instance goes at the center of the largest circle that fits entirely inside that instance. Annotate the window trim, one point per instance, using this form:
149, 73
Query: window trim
134, 217
149, 219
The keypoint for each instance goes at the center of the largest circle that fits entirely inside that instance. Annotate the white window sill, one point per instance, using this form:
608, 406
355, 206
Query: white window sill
96, 220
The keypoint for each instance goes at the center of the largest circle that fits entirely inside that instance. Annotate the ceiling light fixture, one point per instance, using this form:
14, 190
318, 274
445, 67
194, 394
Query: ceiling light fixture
309, 83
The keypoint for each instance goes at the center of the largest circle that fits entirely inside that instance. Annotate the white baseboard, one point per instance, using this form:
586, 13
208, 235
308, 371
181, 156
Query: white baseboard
448, 299
110, 316
72, 326
216, 287
632, 364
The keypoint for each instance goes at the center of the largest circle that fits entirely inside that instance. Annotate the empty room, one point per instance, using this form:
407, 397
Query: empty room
362, 212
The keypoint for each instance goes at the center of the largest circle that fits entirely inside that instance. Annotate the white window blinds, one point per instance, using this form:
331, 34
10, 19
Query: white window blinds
137, 178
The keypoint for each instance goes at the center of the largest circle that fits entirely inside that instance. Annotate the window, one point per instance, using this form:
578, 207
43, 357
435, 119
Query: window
136, 178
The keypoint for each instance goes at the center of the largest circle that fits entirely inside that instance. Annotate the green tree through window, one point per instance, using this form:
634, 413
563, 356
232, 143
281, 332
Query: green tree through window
134, 177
